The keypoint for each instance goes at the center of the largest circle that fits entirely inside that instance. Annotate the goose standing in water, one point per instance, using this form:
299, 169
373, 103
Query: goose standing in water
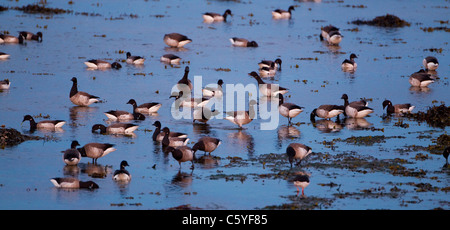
168, 141
96, 150
420, 79
158, 134
72, 156
188, 101
136, 60
147, 108
397, 108
214, 91
182, 154
31, 36
268, 63
80, 98
326, 30
170, 58
122, 174
44, 124
101, 64
288, 110
356, 109
326, 112
270, 90
242, 42
184, 81
73, 183
430, 63
116, 128
4, 56
301, 181
176, 40
297, 152
206, 144
5, 84
241, 118
210, 17
349, 65
4, 38
283, 14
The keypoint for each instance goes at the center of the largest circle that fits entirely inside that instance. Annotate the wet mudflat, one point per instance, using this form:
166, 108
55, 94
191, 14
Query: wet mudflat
377, 162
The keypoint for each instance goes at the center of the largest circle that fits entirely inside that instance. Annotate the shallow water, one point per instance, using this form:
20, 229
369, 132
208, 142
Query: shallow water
40, 74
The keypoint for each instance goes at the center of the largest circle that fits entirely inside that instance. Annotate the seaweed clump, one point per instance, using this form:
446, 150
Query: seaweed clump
10, 137
436, 116
387, 20
35, 8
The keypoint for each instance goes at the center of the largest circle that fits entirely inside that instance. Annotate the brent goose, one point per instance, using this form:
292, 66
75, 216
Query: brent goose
214, 91
4, 38
45, 124
283, 14
101, 64
356, 109
158, 134
430, 63
397, 108
203, 114
73, 183
72, 156
151, 107
116, 128
136, 60
176, 40
270, 90
31, 36
326, 112
184, 81
170, 58
172, 141
241, 118
445, 154
242, 42
96, 150
331, 34
210, 17
80, 98
268, 71
297, 152
189, 102
268, 63
420, 79
122, 174
5, 84
206, 144
349, 65
288, 110
301, 181
182, 154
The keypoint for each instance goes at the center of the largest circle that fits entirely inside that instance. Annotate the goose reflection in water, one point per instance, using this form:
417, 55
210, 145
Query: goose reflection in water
286, 133
417, 89
95, 170
71, 170
208, 161
328, 126
357, 123
243, 139
182, 179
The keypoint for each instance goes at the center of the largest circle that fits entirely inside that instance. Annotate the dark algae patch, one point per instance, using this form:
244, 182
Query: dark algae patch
37, 9
435, 116
11, 137
387, 20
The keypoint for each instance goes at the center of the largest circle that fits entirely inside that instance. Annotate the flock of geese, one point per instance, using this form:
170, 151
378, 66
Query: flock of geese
175, 142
